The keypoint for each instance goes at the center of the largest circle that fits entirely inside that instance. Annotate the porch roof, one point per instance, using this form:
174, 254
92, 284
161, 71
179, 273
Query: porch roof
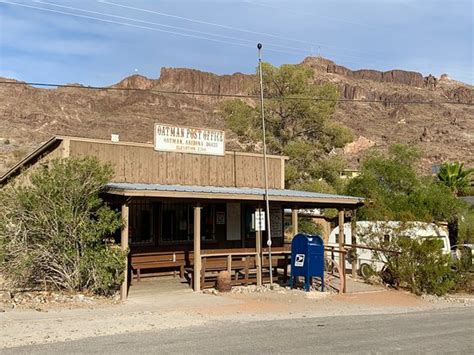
294, 197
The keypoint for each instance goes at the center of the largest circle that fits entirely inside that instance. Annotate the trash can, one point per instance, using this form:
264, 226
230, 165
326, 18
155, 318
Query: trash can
307, 259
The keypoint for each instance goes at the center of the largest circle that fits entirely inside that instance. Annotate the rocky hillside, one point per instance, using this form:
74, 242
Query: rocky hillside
30, 115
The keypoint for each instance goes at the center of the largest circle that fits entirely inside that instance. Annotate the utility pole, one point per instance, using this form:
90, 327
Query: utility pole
267, 203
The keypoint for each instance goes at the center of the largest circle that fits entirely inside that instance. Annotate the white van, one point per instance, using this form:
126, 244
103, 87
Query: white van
366, 229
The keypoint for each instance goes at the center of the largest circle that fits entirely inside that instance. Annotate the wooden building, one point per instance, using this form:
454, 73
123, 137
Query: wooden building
182, 209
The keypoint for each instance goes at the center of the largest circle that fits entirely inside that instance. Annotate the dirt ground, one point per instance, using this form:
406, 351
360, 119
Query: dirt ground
168, 304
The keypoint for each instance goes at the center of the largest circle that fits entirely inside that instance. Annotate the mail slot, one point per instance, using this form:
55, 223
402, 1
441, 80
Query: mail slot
307, 259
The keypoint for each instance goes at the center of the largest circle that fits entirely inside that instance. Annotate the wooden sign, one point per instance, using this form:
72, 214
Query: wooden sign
169, 138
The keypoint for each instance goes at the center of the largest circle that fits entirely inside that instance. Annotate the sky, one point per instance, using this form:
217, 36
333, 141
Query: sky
99, 42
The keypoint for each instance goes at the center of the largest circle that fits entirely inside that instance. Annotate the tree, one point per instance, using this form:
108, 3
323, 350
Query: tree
396, 191
54, 230
296, 125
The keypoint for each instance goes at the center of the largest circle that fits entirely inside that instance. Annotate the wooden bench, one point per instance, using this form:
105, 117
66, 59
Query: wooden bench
157, 260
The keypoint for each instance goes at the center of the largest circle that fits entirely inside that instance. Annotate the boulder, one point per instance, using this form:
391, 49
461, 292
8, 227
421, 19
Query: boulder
224, 281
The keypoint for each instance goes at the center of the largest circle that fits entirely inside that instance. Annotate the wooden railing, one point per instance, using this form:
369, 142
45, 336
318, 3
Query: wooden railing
244, 261
254, 261
358, 246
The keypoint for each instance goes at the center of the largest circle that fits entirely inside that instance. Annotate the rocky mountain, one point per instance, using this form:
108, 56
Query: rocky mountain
443, 131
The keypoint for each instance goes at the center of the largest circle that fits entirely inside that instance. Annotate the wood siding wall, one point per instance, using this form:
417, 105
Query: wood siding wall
142, 164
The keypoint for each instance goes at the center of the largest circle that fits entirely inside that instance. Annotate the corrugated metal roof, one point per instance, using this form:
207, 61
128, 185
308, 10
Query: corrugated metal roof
226, 190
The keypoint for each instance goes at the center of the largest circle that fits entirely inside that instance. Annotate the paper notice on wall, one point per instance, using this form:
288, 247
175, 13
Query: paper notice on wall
220, 217
233, 221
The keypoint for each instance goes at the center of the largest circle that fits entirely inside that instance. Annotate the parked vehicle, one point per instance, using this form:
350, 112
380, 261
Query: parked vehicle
366, 262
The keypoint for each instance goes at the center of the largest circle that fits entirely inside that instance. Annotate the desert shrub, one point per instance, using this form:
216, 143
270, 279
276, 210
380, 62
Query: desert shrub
421, 266
54, 229
418, 264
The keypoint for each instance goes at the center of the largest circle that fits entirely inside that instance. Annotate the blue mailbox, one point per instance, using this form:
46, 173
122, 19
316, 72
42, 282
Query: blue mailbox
307, 258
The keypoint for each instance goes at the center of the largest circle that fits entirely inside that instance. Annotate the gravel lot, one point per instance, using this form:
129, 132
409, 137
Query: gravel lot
160, 305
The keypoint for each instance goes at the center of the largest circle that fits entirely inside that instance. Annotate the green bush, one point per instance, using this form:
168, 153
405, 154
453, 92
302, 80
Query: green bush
54, 229
420, 265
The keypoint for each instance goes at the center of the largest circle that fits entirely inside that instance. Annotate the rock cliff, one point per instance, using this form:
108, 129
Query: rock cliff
29, 115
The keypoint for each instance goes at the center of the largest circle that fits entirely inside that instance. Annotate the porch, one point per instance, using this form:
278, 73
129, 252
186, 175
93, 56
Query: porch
241, 263
201, 230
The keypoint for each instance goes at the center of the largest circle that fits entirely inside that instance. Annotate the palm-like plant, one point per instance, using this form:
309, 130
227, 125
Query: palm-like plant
456, 177
458, 180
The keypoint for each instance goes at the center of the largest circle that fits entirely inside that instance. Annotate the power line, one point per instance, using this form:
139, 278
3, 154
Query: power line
233, 28
287, 49
219, 95
168, 26
142, 27
203, 22
300, 51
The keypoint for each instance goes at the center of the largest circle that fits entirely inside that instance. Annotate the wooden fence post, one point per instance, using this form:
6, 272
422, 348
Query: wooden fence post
258, 250
354, 242
124, 246
342, 261
197, 249
294, 222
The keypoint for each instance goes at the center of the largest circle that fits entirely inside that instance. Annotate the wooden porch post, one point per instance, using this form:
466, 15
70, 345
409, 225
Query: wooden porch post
124, 246
354, 242
342, 262
294, 221
258, 250
197, 249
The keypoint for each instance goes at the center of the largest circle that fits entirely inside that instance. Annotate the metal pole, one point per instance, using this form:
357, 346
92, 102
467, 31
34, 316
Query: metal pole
267, 203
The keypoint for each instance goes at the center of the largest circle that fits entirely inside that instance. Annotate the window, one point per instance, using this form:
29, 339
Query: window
249, 232
141, 223
178, 222
440, 242
208, 223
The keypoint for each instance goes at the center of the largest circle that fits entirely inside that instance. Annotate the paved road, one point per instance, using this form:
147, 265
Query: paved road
450, 330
